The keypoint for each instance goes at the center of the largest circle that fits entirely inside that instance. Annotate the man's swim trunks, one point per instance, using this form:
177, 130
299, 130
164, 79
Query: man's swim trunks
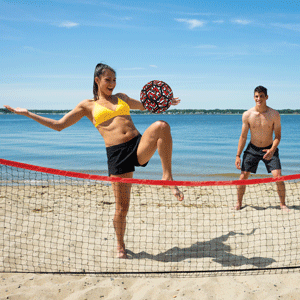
122, 158
253, 155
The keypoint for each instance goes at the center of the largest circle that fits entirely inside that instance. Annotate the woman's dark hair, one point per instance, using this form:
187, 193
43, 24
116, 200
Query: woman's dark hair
99, 70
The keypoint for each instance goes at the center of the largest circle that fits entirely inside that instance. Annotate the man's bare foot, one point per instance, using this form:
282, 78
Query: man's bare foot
121, 252
284, 208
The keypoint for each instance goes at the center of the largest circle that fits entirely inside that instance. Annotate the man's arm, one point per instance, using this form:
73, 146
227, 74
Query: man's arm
242, 140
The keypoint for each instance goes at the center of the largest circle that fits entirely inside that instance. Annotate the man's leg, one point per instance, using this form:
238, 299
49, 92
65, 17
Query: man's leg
280, 189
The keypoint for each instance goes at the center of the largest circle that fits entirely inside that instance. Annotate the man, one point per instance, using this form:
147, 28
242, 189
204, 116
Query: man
262, 121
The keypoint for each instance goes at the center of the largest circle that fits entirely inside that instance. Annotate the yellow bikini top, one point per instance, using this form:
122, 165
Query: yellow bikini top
102, 114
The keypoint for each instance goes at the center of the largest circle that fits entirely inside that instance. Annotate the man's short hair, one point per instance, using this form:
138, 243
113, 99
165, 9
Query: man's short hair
261, 89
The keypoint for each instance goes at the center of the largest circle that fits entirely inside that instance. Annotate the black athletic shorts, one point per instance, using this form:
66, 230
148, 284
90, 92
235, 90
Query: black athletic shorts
253, 155
122, 158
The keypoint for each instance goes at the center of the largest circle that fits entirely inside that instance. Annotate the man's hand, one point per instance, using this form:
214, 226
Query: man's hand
238, 162
269, 154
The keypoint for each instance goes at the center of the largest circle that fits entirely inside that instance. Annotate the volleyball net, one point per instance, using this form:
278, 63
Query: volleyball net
54, 221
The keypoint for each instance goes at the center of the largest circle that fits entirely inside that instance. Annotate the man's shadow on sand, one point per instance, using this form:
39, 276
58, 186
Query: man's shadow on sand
215, 249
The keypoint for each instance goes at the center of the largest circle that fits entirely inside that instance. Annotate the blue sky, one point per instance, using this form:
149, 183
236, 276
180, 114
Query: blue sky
212, 54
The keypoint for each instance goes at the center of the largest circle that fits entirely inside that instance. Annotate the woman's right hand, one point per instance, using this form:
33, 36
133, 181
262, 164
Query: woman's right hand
18, 110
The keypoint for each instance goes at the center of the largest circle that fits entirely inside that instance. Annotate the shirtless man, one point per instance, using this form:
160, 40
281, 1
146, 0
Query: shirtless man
262, 122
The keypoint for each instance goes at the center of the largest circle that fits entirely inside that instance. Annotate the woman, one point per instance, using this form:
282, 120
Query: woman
125, 146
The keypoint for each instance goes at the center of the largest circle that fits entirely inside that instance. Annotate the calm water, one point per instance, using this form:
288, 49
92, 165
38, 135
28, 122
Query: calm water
204, 146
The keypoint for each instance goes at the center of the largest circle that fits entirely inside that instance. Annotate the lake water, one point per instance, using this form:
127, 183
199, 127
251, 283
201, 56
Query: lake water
204, 146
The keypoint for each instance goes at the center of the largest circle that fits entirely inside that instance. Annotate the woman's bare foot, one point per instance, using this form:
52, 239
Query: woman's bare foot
175, 190
177, 193
284, 208
121, 252
237, 207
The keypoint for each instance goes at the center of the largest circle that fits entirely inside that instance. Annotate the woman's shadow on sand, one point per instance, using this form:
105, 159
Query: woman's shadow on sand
214, 248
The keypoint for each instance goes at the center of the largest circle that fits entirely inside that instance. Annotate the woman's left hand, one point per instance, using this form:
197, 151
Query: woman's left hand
175, 101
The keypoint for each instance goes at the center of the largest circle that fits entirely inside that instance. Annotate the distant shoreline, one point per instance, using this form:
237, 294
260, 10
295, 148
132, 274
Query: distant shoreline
168, 112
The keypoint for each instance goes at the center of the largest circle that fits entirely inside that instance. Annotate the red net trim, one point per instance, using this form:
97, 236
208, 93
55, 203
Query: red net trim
143, 181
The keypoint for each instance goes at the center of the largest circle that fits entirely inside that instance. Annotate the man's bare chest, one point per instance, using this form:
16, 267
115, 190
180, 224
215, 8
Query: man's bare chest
260, 122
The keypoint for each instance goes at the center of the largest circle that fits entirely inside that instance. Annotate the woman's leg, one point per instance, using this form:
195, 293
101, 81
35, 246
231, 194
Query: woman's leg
122, 198
158, 137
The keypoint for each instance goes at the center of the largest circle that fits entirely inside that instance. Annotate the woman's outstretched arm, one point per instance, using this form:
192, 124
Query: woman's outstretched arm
67, 120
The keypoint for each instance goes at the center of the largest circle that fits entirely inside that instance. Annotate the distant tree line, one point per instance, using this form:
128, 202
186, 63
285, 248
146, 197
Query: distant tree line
168, 112
38, 111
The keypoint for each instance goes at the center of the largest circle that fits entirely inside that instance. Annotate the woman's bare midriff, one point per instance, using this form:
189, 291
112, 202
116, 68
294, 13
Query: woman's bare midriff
117, 130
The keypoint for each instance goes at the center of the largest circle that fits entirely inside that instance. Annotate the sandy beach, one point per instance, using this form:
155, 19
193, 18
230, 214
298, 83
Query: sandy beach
66, 287
196, 249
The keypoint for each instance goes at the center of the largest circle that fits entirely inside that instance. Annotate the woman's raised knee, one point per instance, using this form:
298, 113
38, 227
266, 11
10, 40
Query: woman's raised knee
162, 125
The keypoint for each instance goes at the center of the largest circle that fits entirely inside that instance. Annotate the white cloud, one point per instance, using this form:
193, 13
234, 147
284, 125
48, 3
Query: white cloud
241, 22
291, 45
153, 66
132, 69
126, 18
295, 27
206, 47
193, 23
195, 14
68, 24
219, 21
31, 49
